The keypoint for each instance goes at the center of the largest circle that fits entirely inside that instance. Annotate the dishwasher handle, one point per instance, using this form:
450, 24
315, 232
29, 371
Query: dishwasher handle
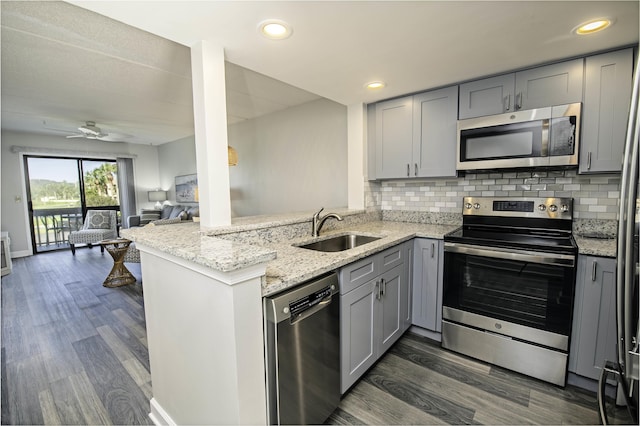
312, 310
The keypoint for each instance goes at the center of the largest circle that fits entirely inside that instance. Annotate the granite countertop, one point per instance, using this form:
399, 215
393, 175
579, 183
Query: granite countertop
184, 240
287, 265
605, 247
295, 265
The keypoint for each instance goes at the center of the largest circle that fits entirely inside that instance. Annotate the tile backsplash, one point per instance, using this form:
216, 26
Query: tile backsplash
595, 196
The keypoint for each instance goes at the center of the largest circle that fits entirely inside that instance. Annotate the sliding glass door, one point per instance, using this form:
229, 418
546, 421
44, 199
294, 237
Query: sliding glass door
60, 190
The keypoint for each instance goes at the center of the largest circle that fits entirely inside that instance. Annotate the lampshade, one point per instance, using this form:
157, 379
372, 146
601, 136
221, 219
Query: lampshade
233, 156
157, 195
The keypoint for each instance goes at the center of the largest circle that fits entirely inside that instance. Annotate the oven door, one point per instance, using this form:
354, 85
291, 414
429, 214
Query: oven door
530, 293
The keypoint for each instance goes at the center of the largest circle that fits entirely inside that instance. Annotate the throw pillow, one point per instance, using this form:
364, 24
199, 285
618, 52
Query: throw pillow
175, 212
166, 212
193, 212
98, 220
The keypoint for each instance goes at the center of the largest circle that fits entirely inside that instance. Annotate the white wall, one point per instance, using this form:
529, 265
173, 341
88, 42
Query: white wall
176, 158
290, 160
14, 212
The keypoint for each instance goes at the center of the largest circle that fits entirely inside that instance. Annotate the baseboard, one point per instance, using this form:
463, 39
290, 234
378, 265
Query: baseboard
433, 335
158, 416
21, 253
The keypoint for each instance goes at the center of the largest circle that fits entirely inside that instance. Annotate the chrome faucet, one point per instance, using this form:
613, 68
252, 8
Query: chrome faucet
318, 221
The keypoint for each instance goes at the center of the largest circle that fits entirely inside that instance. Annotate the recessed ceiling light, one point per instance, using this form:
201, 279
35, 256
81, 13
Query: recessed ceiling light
593, 26
275, 29
375, 85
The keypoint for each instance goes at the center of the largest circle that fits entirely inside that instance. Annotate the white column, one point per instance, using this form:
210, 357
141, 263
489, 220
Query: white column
355, 155
210, 120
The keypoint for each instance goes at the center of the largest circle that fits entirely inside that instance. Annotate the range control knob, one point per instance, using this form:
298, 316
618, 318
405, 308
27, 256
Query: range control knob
553, 208
476, 206
564, 208
468, 206
542, 207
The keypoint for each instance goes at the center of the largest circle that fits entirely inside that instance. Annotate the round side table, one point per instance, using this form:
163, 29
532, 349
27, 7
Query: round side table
119, 274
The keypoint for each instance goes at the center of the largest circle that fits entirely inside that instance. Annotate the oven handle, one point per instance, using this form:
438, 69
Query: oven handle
511, 254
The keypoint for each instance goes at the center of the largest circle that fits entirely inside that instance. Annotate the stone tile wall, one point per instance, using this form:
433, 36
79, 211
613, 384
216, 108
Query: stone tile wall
595, 196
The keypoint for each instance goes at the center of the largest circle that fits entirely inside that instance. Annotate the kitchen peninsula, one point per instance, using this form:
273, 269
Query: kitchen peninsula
203, 294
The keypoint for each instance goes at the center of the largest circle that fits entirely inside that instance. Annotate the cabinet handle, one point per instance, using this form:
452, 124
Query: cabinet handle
589, 161
593, 271
415, 169
383, 287
518, 104
507, 102
408, 170
433, 250
378, 289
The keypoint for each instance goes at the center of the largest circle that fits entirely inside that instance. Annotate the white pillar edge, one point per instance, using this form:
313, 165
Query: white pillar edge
210, 125
355, 155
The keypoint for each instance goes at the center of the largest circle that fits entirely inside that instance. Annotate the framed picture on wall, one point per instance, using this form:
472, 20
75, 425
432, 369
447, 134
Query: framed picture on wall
187, 189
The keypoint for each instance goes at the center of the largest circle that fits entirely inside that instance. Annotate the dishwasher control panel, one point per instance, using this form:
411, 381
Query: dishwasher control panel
299, 306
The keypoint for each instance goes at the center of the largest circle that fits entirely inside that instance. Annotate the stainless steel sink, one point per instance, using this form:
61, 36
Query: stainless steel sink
339, 243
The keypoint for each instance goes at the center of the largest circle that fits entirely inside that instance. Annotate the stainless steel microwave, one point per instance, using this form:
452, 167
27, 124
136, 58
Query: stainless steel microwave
542, 137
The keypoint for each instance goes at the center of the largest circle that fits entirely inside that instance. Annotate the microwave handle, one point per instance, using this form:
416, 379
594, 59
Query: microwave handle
546, 131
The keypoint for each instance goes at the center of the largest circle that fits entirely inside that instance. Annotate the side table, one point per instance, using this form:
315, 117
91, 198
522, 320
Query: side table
119, 274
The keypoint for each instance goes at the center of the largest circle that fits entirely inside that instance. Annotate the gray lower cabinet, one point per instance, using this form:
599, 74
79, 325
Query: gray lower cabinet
427, 284
374, 294
415, 136
555, 84
593, 335
607, 96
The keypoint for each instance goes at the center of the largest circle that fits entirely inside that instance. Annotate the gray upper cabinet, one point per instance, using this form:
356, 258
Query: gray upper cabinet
394, 136
607, 96
489, 96
593, 339
427, 284
416, 135
555, 84
434, 133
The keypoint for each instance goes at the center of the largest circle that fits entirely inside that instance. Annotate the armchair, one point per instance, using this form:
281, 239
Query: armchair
98, 225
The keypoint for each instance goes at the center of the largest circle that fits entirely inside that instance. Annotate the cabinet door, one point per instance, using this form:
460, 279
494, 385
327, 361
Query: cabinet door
488, 96
358, 332
435, 115
427, 285
392, 284
550, 85
607, 95
394, 138
593, 337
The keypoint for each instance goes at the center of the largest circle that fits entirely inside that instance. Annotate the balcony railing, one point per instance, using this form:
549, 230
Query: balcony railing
52, 226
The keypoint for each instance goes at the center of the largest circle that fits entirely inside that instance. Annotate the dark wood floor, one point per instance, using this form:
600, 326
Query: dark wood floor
74, 352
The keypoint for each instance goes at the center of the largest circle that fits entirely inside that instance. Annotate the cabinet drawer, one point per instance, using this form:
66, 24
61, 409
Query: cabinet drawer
354, 275
390, 258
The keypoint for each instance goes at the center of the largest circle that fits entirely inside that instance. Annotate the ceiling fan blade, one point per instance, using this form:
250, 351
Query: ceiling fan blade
75, 136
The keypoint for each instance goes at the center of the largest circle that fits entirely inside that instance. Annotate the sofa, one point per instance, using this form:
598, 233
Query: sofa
168, 212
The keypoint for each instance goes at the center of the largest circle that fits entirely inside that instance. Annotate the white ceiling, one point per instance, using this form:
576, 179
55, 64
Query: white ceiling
66, 65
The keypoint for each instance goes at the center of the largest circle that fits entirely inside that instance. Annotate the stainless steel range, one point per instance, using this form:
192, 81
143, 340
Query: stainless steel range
509, 279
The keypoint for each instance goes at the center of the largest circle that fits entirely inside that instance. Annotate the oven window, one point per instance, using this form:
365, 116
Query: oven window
530, 294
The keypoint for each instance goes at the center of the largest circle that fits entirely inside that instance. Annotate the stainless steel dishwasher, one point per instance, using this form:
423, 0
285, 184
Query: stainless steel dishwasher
302, 329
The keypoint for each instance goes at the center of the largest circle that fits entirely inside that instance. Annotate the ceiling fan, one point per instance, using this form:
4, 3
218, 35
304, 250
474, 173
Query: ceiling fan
90, 131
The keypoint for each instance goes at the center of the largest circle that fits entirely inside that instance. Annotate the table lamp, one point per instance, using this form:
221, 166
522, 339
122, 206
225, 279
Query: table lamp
158, 196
